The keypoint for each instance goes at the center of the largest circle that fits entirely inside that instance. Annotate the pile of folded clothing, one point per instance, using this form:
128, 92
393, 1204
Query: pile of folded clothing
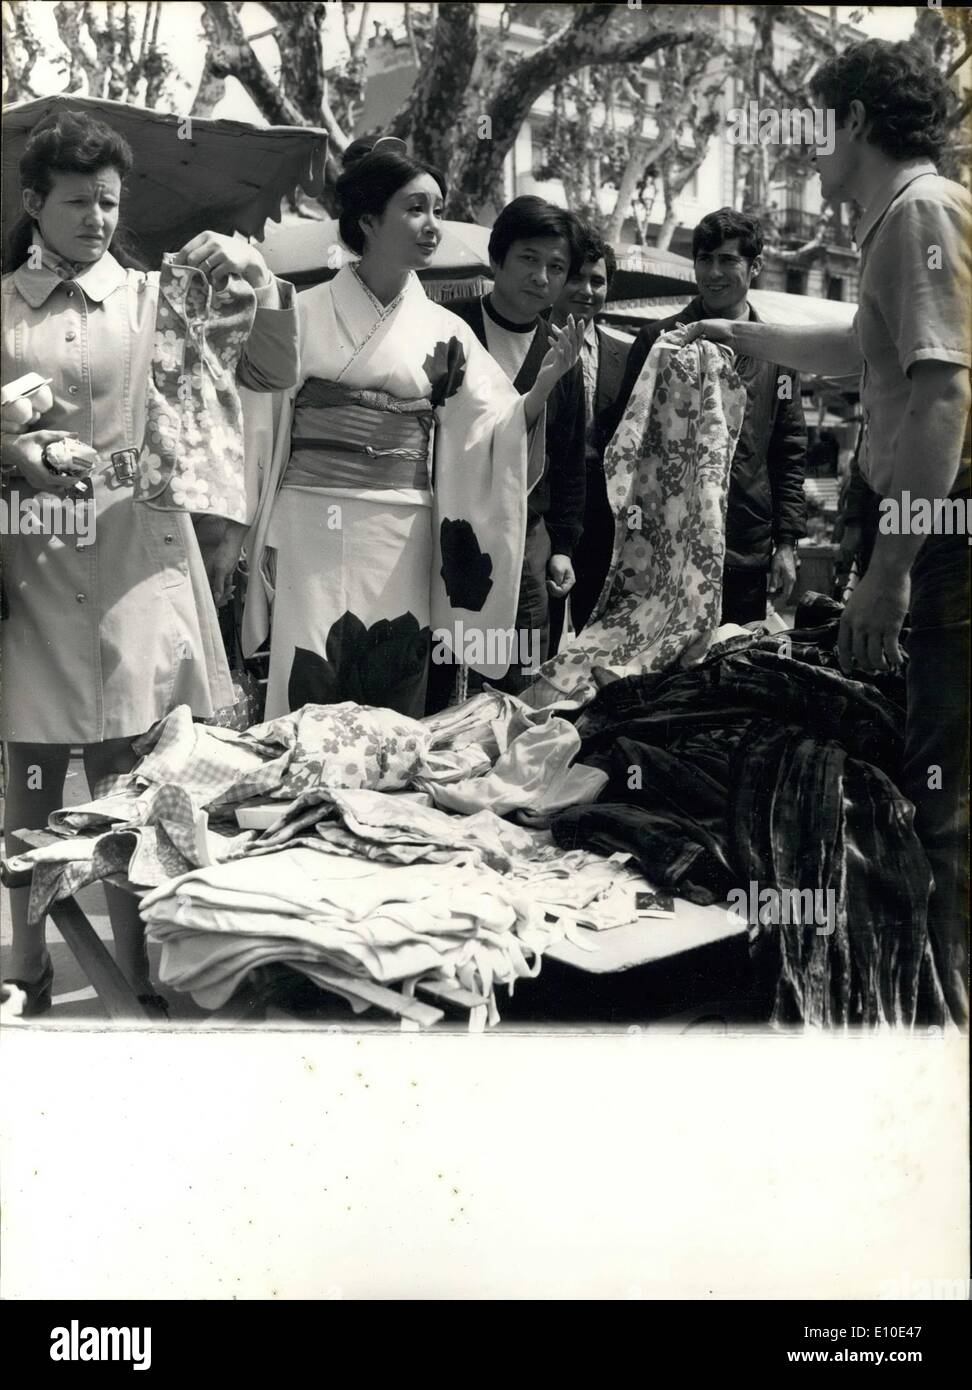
392, 859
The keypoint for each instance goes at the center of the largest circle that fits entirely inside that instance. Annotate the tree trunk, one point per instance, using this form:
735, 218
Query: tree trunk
298, 39
21, 50
668, 229
432, 116
230, 55
70, 18
634, 172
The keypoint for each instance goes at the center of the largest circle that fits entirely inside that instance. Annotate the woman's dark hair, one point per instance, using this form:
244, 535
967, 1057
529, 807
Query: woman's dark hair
528, 217
370, 178
593, 247
905, 97
728, 225
68, 142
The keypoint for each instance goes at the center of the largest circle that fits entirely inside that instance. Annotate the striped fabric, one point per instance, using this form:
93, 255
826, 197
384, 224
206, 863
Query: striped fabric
348, 438
766, 768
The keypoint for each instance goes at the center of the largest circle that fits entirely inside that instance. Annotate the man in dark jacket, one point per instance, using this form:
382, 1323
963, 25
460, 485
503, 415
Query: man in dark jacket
766, 511
532, 248
603, 357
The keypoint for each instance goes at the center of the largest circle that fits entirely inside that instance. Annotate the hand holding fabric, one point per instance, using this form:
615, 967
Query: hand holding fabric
715, 330
220, 256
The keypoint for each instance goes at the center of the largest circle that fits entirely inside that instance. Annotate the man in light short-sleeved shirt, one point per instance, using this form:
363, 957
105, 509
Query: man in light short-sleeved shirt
911, 342
916, 269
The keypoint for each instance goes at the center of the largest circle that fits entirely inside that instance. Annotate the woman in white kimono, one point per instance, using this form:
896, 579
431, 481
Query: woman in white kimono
392, 520
110, 624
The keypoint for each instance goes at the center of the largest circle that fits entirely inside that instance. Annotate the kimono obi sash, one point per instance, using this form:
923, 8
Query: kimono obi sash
343, 437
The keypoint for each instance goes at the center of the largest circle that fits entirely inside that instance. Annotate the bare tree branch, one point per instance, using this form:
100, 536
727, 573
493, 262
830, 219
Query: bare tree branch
298, 39
410, 31
960, 61
591, 38
82, 69
212, 86
230, 55
20, 52
360, 45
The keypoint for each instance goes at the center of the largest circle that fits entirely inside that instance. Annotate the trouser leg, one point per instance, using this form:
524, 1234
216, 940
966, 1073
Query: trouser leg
101, 762
532, 621
35, 787
936, 764
743, 596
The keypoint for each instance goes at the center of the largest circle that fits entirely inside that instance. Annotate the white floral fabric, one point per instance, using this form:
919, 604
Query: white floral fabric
667, 472
345, 745
192, 457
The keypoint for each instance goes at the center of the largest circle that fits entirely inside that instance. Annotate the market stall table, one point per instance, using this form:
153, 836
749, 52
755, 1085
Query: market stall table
696, 943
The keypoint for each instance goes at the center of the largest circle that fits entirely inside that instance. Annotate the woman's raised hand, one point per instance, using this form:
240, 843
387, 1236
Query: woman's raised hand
220, 256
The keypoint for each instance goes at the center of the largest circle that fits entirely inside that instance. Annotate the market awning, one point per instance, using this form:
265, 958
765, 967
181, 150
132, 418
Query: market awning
773, 306
306, 251
644, 271
190, 175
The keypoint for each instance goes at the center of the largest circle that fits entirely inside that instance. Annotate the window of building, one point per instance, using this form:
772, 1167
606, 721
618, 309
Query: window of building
796, 280
835, 287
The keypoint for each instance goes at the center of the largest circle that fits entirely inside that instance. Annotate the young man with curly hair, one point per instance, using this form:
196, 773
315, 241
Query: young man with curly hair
912, 341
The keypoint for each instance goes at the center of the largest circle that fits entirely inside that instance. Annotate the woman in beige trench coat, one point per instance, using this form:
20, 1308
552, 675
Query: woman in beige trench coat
108, 626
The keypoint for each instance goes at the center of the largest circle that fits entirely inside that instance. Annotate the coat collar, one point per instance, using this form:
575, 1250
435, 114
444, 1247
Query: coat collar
98, 281
695, 311
886, 195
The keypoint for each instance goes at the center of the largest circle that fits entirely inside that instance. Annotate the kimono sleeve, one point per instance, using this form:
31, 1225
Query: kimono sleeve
479, 503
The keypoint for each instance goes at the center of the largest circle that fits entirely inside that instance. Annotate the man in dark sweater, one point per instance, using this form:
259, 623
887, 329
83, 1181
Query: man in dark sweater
766, 510
532, 248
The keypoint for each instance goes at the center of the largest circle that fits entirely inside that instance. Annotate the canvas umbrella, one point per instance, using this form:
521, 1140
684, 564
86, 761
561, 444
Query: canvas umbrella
772, 306
644, 272
306, 251
189, 175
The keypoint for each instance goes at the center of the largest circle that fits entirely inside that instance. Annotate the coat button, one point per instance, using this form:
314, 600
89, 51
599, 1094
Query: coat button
70, 294
169, 540
73, 390
70, 337
81, 598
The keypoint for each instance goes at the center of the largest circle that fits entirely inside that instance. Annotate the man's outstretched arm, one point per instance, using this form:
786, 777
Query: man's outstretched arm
818, 351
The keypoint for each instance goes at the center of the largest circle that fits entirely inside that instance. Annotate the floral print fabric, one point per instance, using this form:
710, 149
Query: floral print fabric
345, 745
192, 455
667, 473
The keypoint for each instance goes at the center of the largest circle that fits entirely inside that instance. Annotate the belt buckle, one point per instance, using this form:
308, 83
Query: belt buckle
123, 464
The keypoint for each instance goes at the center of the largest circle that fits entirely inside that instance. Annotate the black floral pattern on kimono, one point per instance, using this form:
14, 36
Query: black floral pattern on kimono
466, 569
445, 368
381, 665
